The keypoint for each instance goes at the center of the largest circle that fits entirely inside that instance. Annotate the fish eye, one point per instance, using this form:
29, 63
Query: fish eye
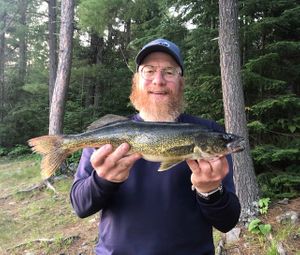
228, 137
225, 136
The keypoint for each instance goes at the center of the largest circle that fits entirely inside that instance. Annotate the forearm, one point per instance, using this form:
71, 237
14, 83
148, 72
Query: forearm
222, 214
91, 194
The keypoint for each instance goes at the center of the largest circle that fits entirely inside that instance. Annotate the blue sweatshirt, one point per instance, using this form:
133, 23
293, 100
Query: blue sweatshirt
153, 213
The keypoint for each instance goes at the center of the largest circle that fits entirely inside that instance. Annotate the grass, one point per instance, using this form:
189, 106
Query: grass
40, 220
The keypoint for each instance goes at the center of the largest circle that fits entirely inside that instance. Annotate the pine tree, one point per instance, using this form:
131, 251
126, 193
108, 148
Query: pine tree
235, 117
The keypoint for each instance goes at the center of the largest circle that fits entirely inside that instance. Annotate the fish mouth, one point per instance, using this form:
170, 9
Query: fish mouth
237, 145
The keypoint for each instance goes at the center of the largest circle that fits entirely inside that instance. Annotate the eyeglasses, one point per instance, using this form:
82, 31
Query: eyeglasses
169, 73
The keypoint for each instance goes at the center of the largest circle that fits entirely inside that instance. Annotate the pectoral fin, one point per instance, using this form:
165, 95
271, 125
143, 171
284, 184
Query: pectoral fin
166, 165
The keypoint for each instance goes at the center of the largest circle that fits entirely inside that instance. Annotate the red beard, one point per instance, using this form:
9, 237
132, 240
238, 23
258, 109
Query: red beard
153, 108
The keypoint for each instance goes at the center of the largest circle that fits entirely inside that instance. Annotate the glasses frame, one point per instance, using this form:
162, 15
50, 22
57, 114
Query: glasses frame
177, 72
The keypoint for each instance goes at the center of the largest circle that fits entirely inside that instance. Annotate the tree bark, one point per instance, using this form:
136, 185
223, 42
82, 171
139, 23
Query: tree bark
234, 106
58, 102
22, 43
52, 40
127, 40
94, 91
96, 49
2, 62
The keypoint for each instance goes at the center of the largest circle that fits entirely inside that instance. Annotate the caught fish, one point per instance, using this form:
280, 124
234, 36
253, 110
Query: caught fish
166, 142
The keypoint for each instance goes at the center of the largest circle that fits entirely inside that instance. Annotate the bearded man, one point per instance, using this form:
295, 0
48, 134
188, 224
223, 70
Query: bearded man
145, 212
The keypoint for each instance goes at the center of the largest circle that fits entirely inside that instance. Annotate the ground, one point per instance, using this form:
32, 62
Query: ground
41, 221
286, 234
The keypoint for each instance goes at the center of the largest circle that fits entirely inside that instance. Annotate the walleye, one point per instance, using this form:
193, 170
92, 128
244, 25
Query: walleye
166, 142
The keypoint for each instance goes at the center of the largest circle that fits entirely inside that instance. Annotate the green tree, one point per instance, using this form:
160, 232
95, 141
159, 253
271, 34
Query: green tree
18, 120
271, 75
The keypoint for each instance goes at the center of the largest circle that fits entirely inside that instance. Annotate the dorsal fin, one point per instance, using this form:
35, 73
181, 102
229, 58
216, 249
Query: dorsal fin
105, 120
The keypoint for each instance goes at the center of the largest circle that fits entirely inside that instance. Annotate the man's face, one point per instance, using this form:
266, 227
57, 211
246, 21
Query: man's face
160, 97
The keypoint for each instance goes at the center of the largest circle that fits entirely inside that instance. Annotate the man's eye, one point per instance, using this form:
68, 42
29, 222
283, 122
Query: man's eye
169, 71
149, 71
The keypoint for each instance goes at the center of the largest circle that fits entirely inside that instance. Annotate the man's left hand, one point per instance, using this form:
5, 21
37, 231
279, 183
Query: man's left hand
208, 175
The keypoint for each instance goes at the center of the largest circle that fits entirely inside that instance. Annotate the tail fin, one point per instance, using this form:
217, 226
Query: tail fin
53, 152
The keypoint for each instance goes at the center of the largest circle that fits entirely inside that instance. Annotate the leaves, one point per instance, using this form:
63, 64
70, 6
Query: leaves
265, 154
263, 205
257, 227
101, 80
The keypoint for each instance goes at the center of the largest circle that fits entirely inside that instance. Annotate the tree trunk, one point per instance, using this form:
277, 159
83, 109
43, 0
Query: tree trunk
2, 62
127, 40
58, 102
234, 106
94, 91
96, 49
52, 46
22, 43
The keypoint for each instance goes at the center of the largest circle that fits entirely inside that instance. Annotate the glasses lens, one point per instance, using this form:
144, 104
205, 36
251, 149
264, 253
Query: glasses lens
148, 72
168, 73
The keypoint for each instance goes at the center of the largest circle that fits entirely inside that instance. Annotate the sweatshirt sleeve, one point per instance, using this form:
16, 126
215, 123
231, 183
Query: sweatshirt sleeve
224, 213
90, 193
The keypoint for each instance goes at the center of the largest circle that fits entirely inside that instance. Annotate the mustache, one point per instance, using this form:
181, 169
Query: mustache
165, 91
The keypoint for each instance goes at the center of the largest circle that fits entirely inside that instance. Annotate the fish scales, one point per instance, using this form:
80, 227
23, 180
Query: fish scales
142, 137
168, 143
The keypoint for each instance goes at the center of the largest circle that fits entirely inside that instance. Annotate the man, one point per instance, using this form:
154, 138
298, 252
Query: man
143, 211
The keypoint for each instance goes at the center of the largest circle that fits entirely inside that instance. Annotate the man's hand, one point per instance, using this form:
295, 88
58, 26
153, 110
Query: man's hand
113, 165
208, 175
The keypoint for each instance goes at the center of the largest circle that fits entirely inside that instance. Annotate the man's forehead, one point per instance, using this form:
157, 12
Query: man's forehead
159, 57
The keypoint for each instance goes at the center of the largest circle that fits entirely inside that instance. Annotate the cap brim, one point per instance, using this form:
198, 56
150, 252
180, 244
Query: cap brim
154, 48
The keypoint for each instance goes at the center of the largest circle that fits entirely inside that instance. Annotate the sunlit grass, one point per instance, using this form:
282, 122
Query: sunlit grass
34, 215
19, 174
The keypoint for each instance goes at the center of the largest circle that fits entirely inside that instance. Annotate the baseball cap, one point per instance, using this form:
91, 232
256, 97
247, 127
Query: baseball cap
160, 45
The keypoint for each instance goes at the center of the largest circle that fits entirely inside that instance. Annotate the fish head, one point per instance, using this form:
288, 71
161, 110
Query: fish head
216, 144
234, 143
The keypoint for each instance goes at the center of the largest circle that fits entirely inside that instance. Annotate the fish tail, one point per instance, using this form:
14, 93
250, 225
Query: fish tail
52, 149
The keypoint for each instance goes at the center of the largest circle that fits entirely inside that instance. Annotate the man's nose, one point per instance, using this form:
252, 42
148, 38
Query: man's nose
159, 78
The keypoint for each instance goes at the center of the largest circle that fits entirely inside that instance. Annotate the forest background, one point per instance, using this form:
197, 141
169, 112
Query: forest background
107, 37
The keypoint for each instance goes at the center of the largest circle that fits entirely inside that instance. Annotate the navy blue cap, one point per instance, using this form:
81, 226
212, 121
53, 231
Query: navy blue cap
160, 45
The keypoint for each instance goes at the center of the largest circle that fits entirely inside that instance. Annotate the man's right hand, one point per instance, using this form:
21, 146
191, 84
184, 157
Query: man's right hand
113, 165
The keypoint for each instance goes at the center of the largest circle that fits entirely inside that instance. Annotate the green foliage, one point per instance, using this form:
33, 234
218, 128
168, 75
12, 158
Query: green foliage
257, 227
97, 15
74, 158
280, 184
282, 103
256, 126
266, 154
3, 151
272, 250
272, 85
263, 205
109, 35
206, 90
19, 150
24, 121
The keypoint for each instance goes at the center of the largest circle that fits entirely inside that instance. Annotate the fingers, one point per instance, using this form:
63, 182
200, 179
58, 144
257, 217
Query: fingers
207, 175
113, 165
99, 156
